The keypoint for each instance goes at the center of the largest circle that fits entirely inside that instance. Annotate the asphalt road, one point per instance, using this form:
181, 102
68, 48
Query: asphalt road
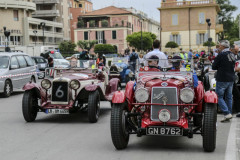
72, 137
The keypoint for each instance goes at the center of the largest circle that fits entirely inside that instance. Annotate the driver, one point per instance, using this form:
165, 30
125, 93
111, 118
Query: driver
153, 62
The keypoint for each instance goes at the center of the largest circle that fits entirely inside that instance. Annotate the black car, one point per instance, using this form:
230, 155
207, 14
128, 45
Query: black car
41, 64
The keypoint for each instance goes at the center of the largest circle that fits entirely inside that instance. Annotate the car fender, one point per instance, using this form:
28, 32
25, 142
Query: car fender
129, 90
91, 87
119, 97
210, 97
37, 88
114, 84
199, 94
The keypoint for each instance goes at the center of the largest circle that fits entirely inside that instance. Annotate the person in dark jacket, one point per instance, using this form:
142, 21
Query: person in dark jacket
133, 58
224, 63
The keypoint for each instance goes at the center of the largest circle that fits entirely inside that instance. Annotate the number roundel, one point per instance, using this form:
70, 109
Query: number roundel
59, 93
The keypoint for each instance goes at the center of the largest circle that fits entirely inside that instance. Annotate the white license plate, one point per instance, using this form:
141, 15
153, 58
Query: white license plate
165, 131
57, 111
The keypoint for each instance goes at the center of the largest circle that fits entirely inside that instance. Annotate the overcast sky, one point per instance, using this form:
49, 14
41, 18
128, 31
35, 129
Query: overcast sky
147, 6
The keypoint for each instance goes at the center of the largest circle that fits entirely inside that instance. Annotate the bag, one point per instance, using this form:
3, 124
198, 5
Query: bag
133, 57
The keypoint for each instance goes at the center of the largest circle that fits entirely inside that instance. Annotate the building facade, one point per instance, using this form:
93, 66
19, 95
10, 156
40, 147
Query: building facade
111, 25
185, 23
78, 8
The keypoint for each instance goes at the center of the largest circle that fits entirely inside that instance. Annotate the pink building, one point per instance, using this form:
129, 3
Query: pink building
110, 25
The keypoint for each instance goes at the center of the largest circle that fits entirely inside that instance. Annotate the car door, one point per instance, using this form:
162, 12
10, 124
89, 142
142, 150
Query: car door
30, 69
14, 70
23, 70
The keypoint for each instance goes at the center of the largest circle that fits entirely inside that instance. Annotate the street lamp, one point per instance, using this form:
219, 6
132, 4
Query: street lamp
43, 24
35, 32
7, 34
209, 39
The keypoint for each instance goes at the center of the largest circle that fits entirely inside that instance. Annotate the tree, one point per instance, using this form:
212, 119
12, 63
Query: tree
171, 45
92, 23
104, 23
67, 47
80, 24
104, 48
86, 45
225, 17
206, 44
134, 40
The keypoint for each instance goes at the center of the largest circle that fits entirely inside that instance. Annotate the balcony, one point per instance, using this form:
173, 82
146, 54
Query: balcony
46, 13
177, 4
17, 5
46, 33
46, 1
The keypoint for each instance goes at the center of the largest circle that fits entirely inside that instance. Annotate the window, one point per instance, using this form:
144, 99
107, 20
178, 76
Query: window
29, 61
85, 35
114, 34
100, 37
174, 19
201, 18
15, 15
80, 5
176, 38
22, 61
14, 62
201, 38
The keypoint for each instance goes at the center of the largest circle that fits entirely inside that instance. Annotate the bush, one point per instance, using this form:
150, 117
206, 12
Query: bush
80, 24
104, 23
92, 23
104, 48
171, 44
207, 43
67, 47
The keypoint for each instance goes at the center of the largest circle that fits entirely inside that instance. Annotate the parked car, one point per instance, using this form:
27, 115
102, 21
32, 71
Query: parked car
71, 90
164, 103
121, 69
16, 69
41, 64
58, 60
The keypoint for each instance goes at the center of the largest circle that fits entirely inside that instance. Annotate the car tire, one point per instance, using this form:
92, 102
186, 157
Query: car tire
93, 106
209, 127
29, 106
119, 134
8, 88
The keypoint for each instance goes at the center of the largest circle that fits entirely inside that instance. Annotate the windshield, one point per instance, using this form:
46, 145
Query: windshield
4, 61
120, 60
56, 55
86, 64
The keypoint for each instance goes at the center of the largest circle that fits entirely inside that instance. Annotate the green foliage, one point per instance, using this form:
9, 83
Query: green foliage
134, 40
233, 40
225, 18
104, 23
171, 45
92, 23
67, 47
86, 45
80, 24
207, 43
104, 48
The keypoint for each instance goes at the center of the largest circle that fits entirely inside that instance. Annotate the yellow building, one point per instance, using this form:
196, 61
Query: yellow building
185, 23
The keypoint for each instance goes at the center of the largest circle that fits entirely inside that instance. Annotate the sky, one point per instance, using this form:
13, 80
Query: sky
147, 6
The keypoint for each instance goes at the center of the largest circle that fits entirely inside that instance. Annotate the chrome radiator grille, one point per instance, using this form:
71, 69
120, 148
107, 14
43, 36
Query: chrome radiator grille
167, 95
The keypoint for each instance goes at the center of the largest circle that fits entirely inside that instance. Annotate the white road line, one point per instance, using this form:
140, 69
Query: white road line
231, 150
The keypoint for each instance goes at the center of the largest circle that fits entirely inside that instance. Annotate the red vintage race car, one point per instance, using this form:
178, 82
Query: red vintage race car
164, 102
71, 90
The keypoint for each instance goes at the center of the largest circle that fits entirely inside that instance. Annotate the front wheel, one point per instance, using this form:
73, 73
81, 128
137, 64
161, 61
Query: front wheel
29, 106
209, 127
119, 133
93, 106
7, 89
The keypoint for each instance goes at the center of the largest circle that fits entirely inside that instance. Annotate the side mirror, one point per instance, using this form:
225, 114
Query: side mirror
14, 66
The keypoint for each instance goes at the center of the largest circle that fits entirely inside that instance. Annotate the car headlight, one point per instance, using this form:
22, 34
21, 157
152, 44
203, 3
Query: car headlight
141, 95
46, 84
164, 115
187, 95
74, 84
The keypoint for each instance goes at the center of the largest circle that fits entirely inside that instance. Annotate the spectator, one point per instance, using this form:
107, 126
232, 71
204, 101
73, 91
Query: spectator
101, 62
224, 64
162, 58
211, 57
190, 54
84, 55
216, 51
184, 56
50, 61
133, 57
141, 60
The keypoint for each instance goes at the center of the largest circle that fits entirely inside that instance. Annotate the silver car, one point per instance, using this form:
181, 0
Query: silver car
16, 69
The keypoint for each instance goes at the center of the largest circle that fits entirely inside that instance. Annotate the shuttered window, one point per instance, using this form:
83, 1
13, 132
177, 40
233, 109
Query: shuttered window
174, 19
15, 15
176, 38
201, 18
114, 34
85, 35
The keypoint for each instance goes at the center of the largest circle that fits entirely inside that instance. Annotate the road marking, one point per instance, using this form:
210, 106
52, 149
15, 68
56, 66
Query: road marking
231, 150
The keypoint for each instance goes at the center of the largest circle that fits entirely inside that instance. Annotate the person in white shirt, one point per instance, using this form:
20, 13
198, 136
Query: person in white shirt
163, 62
